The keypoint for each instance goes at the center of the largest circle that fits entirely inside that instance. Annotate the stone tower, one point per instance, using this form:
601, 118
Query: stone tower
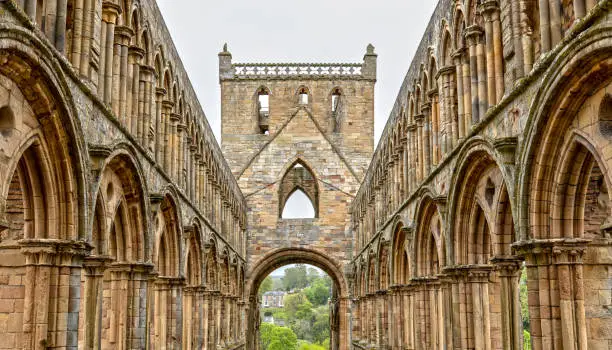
288, 127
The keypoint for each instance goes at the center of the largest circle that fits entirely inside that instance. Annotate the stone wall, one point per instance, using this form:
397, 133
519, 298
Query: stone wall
492, 165
299, 134
121, 225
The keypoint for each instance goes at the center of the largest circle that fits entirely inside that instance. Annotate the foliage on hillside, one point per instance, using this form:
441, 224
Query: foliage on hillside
305, 312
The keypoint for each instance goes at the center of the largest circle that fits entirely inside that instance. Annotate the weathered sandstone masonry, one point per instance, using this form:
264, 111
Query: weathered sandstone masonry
121, 225
494, 162
307, 127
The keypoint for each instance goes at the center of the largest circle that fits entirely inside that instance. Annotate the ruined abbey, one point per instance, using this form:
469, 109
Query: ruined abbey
125, 225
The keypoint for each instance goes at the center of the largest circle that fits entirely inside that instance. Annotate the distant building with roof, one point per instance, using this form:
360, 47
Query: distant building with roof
273, 299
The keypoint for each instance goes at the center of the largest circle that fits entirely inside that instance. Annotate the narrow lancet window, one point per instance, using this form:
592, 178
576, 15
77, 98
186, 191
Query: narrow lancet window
303, 96
336, 105
263, 110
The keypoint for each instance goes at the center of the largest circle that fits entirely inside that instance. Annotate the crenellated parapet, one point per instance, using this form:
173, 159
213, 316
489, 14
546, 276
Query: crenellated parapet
297, 71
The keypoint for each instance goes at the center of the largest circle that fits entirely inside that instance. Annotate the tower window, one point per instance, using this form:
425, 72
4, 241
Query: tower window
263, 110
303, 96
335, 100
336, 108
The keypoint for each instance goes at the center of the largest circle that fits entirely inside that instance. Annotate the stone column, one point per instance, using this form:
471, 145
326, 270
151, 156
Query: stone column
446, 308
121, 75
461, 124
456, 277
478, 73
181, 154
452, 102
190, 318
161, 312
355, 319
557, 266
77, 34
135, 102
466, 90
525, 43
371, 300
201, 178
166, 138
29, 7
485, 9
405, 164
139, 276
435, 127
158, 126
54, 21
509, 270
420, 149
118, 305
146, 121
478, 277
443, 115
555, 11
174, 145
413, 164
408, 314
242, 320
51, 265
426, 109
94, 267
393, 319
218, 304
110, 12
207, 326
495, 70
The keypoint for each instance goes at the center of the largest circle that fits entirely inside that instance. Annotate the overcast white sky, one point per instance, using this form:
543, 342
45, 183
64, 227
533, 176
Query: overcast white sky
296, 31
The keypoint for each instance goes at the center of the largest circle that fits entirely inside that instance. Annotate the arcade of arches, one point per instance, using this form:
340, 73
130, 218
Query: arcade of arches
125, 225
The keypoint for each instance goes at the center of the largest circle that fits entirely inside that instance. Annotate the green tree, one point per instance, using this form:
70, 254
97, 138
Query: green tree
292, 302
284, 339
318, 292
277, 283
266, 286
295, 277
308, 346
526, 340
277, 338
266, 334
303, 329
523, 295
313, 274
320, 327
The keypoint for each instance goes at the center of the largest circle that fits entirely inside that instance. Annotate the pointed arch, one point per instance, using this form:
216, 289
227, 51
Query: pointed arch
429, 249
400, 256
167, 238
298, 176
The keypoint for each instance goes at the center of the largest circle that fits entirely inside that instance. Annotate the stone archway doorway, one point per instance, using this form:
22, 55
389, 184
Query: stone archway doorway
339, 313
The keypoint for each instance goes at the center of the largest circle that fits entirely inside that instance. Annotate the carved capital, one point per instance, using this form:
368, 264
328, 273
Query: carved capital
110, 11
558, 251
506, 146
474, 34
